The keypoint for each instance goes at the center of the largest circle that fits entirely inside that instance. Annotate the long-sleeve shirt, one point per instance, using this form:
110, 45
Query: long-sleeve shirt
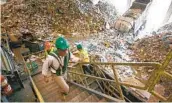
53, 62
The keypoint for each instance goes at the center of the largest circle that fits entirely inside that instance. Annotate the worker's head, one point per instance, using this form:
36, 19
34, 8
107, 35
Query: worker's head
79, 47
62, 46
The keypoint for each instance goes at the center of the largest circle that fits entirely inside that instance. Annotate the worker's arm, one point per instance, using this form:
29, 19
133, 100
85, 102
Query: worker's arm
74, 58
45, 68
76, 52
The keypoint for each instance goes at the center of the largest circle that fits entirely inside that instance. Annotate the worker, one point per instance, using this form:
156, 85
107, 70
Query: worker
56, 64
84, 57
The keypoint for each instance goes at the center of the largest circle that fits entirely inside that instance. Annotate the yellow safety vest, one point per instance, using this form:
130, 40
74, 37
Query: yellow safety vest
83, 54
46, 52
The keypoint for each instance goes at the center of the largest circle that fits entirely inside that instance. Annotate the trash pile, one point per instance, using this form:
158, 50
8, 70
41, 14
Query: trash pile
154, 49
110, 46
43, 17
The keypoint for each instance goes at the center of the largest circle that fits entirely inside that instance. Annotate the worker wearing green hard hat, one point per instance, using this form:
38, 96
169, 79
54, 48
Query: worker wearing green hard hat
84, 57
56, 63
79, 46
62, 46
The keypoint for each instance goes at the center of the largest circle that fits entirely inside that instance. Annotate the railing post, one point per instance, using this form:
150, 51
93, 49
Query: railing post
117, 81
160, 71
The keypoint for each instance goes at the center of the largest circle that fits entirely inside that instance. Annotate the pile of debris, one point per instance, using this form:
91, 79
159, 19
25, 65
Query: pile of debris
42, 17
109, 46
154, 49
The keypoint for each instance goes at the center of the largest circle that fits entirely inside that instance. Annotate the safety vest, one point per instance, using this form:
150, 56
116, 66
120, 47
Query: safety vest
83, 54
62, 69
49, 51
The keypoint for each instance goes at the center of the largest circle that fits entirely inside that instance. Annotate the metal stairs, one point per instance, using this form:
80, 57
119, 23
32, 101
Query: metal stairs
51, 92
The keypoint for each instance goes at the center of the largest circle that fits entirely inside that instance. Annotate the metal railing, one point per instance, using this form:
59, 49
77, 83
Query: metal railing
113, 87
41, 55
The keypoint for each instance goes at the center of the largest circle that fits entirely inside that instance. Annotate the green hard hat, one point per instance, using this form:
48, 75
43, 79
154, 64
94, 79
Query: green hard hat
61, 43
79, 46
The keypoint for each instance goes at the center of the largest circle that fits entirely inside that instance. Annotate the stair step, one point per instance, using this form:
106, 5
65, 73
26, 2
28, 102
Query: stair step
103, 100
52, 87
43, 84
55, 98
91, 98
49, 89
72, 94
52, 96
58, 97
80, 97
38, 78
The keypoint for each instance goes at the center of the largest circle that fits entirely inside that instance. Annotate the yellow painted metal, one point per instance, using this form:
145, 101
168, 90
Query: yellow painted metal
130, 85
117, 82
40, 98
37, 91
152, 81
160, 71
93, 77
159, 96
154, 64
168, 75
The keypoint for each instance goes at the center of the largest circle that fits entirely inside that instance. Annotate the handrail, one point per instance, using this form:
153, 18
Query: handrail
149, 85
40, 98
124, 63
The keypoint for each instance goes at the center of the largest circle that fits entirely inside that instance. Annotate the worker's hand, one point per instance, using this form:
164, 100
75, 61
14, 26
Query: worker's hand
46, 79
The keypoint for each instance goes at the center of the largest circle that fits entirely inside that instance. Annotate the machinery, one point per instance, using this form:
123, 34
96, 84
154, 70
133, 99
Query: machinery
133, 19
